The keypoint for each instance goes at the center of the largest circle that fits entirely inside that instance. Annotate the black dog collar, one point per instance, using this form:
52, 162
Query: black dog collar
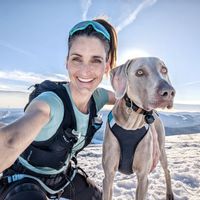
149, 118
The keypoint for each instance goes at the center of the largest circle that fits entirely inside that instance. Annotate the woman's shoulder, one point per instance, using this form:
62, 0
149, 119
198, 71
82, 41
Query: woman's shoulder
56, 114
53, 100
50, 97
101, 97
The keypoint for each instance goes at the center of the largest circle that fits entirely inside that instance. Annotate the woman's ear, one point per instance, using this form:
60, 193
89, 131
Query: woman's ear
66, 63
107, 67
118, 77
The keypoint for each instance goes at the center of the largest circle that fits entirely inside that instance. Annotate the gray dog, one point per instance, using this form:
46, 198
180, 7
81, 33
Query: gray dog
141, 85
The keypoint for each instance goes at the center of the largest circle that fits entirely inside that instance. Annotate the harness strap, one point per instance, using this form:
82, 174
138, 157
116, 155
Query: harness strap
111, 119
112, 122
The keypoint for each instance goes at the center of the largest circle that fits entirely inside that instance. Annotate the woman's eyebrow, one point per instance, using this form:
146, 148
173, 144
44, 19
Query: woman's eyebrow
76, 54
98, 57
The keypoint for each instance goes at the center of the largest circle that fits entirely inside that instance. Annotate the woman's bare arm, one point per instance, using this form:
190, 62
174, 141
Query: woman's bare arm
16, 137
111, 97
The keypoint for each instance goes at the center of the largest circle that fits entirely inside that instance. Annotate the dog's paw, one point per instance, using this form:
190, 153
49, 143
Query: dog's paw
170, 197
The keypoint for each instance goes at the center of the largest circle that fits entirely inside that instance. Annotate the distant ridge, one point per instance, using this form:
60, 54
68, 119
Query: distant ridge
24, 94
187, 107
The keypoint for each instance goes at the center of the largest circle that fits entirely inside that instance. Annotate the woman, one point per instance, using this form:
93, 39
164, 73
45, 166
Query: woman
91, 53
36, 156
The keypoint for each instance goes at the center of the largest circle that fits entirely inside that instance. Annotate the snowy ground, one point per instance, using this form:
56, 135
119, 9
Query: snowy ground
184, 163
182, 147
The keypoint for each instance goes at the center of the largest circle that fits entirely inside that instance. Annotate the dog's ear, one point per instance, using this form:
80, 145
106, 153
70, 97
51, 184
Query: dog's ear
118, 78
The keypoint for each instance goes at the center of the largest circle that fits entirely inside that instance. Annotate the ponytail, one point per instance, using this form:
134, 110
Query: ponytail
113, 41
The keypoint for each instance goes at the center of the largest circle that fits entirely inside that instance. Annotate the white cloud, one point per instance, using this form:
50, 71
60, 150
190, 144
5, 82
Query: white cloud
24, 79
134, 14
4, 87
30, 76
13, 87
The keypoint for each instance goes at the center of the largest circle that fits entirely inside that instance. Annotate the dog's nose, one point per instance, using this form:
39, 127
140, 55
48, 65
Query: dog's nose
168, 93
165, 90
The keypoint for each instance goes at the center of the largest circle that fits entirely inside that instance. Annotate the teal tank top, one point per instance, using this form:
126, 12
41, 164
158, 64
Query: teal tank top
56, 116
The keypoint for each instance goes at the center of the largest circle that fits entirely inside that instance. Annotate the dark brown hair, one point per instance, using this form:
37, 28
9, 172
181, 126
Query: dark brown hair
110, 46
113, 41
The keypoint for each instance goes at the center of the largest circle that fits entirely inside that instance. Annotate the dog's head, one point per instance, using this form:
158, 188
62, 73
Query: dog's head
146, 82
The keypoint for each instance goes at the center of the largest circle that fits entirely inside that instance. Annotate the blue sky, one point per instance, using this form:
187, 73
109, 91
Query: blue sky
33, 38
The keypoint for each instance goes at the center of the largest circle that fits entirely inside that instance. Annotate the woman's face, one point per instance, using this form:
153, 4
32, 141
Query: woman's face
86, 63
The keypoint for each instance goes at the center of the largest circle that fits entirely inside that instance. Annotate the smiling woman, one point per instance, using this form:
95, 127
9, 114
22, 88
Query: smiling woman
60, 122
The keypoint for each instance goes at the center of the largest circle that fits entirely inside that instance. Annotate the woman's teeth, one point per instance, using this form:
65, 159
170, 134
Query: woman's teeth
85, 80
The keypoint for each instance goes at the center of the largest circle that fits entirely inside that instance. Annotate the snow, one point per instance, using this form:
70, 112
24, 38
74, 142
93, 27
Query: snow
183, 151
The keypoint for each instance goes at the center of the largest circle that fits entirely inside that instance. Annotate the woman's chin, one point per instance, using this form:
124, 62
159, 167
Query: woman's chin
87, 87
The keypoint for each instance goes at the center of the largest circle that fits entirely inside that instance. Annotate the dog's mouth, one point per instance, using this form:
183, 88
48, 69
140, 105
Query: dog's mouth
160, 104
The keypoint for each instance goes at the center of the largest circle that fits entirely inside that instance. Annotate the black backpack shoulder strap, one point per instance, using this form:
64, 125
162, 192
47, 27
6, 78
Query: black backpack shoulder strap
92, 125
61, 92
68, 108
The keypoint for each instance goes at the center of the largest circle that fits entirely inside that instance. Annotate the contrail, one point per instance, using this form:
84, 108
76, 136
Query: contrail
85, 5
134, 14
21, 51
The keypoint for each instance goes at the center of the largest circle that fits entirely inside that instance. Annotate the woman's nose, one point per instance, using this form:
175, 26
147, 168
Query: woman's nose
86, 67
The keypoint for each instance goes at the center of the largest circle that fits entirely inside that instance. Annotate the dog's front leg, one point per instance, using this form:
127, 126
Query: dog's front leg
142, 186
163, 157
142, 164
110, 162
107, 185
164, 163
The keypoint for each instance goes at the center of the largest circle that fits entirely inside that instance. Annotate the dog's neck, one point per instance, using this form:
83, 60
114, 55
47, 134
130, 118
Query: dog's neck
130, 104
126, 119
129, 116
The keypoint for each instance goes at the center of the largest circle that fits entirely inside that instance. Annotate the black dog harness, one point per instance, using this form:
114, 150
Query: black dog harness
129, 139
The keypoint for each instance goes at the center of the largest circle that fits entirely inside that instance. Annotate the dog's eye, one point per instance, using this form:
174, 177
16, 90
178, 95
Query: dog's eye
164, 70
139, 72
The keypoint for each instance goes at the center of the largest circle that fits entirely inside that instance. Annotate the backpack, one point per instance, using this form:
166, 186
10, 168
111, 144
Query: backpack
55, 151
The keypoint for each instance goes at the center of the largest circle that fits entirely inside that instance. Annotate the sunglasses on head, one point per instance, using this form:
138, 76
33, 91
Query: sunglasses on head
96, 26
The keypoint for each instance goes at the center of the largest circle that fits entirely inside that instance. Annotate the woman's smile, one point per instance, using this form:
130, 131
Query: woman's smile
85, 80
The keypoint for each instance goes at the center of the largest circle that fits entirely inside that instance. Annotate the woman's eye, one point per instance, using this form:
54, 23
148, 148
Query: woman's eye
139, 72
164, 70
76, 59
96, 61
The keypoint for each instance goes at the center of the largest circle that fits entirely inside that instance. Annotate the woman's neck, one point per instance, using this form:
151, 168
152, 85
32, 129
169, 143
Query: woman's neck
81, 101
